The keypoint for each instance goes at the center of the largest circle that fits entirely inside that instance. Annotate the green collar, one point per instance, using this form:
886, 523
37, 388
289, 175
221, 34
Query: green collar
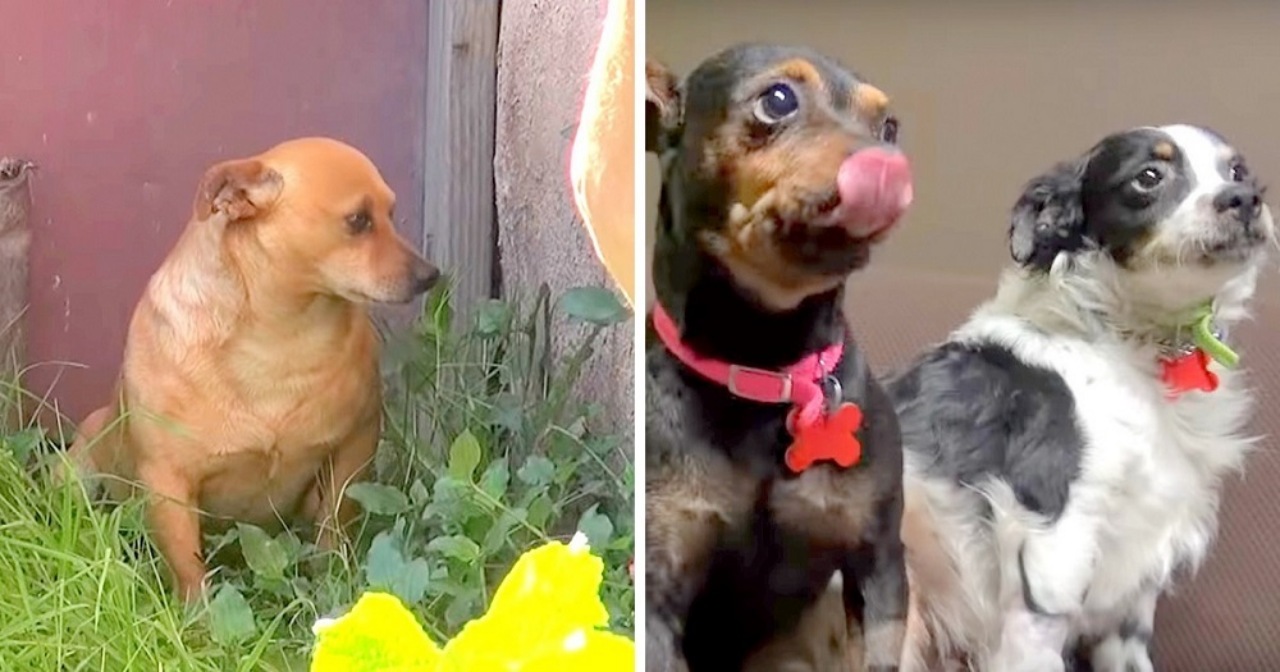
1205, 335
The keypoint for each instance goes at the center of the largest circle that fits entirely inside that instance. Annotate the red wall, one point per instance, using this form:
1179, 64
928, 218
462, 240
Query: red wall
125, 103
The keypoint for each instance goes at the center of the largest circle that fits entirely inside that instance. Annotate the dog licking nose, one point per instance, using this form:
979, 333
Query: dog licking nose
875, 188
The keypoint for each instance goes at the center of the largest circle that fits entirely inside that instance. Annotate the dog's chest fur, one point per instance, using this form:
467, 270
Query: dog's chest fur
260, 414
298, 399
1150, 467
782, 535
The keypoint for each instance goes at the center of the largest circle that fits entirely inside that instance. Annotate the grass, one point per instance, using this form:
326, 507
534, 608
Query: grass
487, 451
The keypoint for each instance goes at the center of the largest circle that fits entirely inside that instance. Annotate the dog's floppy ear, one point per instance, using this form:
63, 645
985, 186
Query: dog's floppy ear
239, 189
663, 107
1049, 216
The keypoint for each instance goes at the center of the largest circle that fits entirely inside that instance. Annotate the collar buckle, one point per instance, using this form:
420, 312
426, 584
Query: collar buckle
756, 384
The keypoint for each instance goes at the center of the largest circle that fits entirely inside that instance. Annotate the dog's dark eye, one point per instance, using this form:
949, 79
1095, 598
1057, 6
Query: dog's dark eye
359, 223
1148, 179
1239, 173
889, 130
777, 103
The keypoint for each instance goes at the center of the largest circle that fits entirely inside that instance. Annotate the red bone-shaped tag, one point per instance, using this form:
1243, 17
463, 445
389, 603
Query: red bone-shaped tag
827, 437
1188, 372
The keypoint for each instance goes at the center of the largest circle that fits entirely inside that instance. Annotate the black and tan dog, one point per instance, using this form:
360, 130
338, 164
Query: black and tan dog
774, 460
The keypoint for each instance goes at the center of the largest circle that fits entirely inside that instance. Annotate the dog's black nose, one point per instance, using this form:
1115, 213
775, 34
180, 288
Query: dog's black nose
1243, 199
425, 275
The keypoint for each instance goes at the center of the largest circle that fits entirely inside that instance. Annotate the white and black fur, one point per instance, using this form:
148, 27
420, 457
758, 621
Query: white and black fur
1052, 489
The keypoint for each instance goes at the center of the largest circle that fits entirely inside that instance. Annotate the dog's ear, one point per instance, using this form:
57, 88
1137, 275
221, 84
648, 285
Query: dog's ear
238, 189
663, 107
1049, 216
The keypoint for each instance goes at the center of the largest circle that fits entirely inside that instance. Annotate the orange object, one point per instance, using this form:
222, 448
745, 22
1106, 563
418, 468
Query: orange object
829, 437
602, 165
1188, 372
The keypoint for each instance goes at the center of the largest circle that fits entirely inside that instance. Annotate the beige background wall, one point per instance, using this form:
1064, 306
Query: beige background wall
544, 56
990, 93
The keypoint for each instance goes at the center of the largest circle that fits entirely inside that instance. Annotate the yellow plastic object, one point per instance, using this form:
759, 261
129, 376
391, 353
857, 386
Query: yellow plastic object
546, 615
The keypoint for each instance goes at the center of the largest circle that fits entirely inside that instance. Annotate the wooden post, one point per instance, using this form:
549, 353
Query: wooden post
15, 242
459, 232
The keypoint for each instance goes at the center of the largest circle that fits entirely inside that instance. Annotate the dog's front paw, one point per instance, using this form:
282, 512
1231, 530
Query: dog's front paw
1030, 642
1040, 660
1053, 578
1119, 655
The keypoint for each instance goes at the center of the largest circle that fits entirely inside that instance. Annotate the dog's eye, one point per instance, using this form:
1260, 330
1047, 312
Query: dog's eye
889, 130
359, 222
777, 103
1239, 173
1148, 179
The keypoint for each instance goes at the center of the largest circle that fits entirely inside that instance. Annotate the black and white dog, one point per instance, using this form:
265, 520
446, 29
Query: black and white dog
1066, 446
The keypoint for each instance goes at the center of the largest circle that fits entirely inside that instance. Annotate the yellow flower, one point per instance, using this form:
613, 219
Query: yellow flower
546, 615
379, 633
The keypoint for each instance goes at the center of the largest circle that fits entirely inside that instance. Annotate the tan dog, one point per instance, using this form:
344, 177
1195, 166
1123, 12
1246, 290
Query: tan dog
250, 388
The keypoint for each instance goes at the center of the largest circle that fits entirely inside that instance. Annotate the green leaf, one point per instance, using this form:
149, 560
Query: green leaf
495, 479
450, 501
492, 317
596, 526
22, 444
622, 543
418, 493
537, 470
461, 610
384, 561
378, 498
387, 568
457, 547
437, 311
464, 456
508, 412
596, 305
267, 557
540, 511
497, 535
230, 618
411, 584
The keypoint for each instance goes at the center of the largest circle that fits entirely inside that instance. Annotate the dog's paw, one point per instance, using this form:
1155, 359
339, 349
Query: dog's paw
1053, 577
1119, 655
1030, 642
1041, 660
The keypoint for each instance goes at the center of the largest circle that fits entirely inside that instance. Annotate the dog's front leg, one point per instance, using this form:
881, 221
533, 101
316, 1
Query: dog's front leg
174, 521
1030, 642
680, 537
1126, 649
691, 497
882, 573
1053, 568
326, 506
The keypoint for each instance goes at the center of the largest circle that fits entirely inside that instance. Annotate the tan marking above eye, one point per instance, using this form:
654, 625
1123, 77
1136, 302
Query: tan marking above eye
1163, 151
803, 71
869, 101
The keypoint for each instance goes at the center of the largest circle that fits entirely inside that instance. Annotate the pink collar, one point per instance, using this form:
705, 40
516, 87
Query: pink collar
799, 384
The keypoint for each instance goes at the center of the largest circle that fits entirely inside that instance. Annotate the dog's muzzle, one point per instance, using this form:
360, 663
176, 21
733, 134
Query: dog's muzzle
1243, 202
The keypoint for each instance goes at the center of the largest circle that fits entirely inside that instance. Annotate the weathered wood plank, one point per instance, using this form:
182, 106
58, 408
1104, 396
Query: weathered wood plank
458, 230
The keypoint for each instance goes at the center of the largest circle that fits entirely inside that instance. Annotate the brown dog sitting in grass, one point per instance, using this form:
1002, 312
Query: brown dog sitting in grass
250, 388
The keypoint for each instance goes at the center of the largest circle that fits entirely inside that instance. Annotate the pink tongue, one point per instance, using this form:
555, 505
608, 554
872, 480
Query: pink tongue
875, 190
